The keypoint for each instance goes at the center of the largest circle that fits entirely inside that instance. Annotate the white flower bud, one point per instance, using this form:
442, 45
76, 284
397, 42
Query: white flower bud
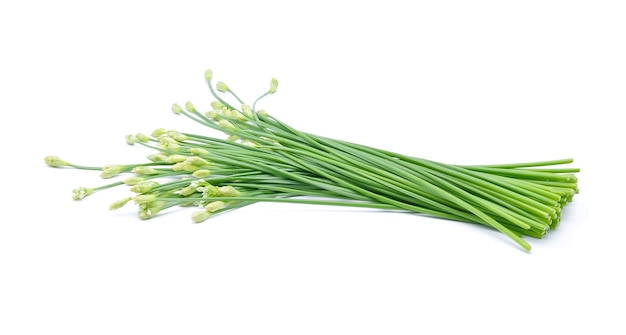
214, 206
228, 191
55, 161
198, 151
273, 85
177, 109
201, 173
175, 159
247, 111
217, 105
131, 139
225, 124
144, 198
142, 137
221, 86
189, 107
119, 203
81, 192
158, 132
208, 75
112, 171
200, 216
144, 170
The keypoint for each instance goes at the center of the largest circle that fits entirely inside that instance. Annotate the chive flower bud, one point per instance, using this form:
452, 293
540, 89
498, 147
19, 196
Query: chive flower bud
190, 108
188, 190
214, 206
217, 105
55, 161
81, 192
177, 109
157, 157
209, 191
144, 170
247, 111
200, 216
142, 137
112, 171
133, 180
175, 158
201, 173
158, 132
184, 166
208, 74
197, 161
131, 139
177, 136
198, 151
222, 87
232, 138
119, 203
249, 143
144, 198
273, 85
144, 187
212, 115
228, 191
225, 124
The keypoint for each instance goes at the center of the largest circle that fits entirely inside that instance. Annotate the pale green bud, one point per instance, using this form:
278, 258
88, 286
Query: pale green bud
131, 139
209, 191
197, 161
166, 139
232, 138
229, 113
142, 137
228, 191
201, 173
189, 107
273, 85
158, 132
133, 180
144, 170
217, 105
263, 113
249, 143
177, 136
144, 198
247, 111
187, 191
175, 159
221, 86
208, 74
144, 187
184, 166
55, 161
198, 151
177, 109
169, 146
214, 206
81, 192
200, 216
119, 203
225, 124
149, 210
212, 115
159, 157
112, 171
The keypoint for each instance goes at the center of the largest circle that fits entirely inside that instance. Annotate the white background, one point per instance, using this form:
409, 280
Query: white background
468, 82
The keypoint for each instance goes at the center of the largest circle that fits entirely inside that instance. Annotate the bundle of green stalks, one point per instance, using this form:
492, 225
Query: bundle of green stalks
265, 160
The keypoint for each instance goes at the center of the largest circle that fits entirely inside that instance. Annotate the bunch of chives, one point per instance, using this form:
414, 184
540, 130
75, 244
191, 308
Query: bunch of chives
265, 160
